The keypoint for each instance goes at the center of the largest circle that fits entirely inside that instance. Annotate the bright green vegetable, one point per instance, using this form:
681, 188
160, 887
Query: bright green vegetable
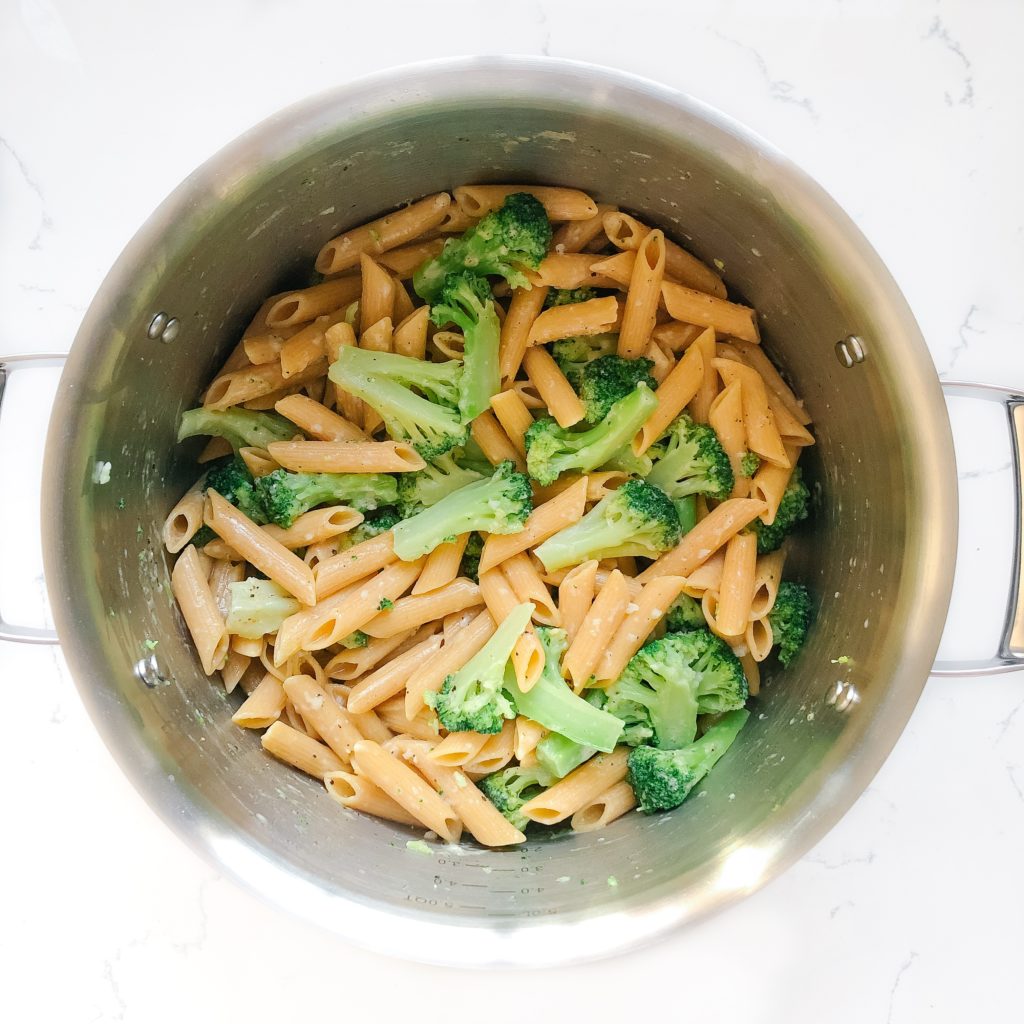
285, 496
466, 301
552, 703
794, 507
472, 699
420, 490
258, 607
750, 463
605, 381
573, 354
790, 619
671, 680
689, 459
231, 479
568, 296
685, 614
636, 519
552, 450
512, 787
663, 779
239, 427
504, 241
497, 504
559, 755
432, 424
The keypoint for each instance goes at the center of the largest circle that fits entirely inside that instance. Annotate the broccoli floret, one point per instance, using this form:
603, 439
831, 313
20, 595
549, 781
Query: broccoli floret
512, 787
420, 490
552, 450
495, 504
558, 754
470, 565
385, 382
792, 509
552, 703
240, 427
258, 607
516, 235
355, 640
604, 381
750, 463
627, 461
568, 296
231, 479
471, 456
662, 779
689, 459
572, 354
670, 681
466, 301
685, 614
202, 536
285, 496
636, 519
790, 618
472, 699
376, 523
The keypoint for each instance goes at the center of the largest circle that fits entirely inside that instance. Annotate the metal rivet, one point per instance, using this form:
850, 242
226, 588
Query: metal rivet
843, 696
157, 324
149, 672
163, 327
850, 351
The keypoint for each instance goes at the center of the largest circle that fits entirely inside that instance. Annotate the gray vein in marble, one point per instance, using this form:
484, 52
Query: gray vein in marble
904, 967
1014, 782
542, 21
976, 474
846, 862
44, 218
1005, 724
840, 906
940, 33
778, 88
965, 328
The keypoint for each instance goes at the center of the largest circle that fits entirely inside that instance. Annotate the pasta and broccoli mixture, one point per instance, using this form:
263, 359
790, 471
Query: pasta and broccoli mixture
493, 519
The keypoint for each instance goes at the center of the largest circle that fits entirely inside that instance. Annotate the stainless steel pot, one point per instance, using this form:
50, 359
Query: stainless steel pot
249, 222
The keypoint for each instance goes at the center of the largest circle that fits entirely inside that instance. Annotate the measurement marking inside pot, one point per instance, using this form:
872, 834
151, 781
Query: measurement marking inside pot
469, 885
504, 892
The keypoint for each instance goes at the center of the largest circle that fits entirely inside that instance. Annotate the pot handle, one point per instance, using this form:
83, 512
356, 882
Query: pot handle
1010, 654
8, 365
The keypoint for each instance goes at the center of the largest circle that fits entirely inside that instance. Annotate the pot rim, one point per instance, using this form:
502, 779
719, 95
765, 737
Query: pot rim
493, 941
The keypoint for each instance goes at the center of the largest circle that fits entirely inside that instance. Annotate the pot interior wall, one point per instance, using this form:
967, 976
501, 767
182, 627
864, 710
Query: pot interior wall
256, 233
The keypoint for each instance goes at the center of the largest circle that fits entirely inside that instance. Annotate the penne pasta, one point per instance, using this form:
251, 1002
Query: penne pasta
307, 304
578, 788
514, 417
580, 319
736, 590
199, 609
346, 456
494, 442
413, 611
301, 751
674, 393
359, 794
523, 311
605, 808
354, 563
390, 679
643, 296
559, 203
693, 307
556, 392
526, 584
601, 623
575, 597
441, 567
317, 420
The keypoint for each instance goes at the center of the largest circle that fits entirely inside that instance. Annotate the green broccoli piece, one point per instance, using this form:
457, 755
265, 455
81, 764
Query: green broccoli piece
354, 640
386, 604
636, 519
573, 354
559, 755
258, 607
684, 614
472, 699
627, 461
512, 787
568, 296
516, 235
497, 504
663, 779
552, 450
240, 427
689, 459
687, 509
551, 702
470, 565
429, 421
377, 522
670, 681
420, 490
231, 479
750, 463
790, 619
604, 381
794, 507
285, 496
466, 301
202, 536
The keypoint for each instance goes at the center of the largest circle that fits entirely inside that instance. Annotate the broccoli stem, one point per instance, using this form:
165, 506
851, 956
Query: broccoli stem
481, 376
559, 755
239, 427
553, 704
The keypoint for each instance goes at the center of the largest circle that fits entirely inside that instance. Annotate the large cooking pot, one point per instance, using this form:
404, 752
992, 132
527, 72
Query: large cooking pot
879, 553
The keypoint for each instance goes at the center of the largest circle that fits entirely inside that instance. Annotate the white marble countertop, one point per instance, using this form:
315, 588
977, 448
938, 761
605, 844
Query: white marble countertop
909, 114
